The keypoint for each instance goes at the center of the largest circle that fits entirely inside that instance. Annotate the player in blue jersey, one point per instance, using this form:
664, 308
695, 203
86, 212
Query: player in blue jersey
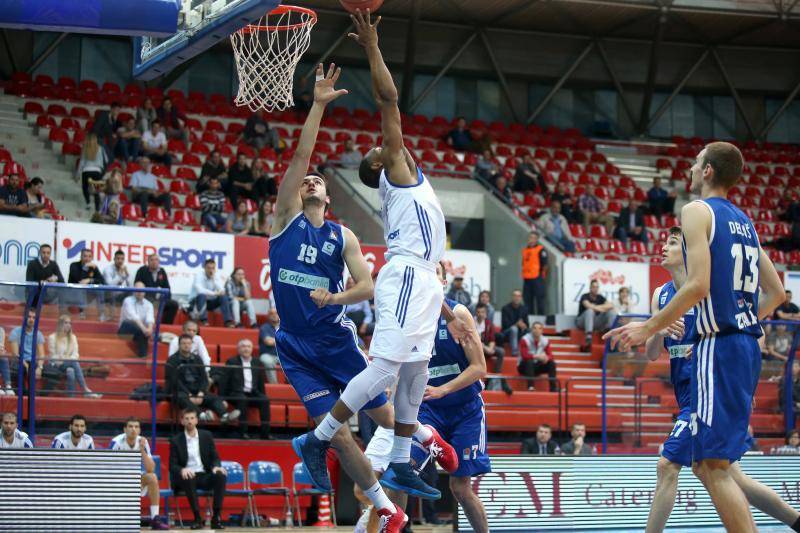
732, 285
677, 451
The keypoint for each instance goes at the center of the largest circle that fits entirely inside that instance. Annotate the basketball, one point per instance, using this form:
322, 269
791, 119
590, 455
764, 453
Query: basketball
363, 5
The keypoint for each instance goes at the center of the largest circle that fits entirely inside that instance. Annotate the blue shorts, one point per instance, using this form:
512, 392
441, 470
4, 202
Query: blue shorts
725, 370
464, 427
320, 365
678, 446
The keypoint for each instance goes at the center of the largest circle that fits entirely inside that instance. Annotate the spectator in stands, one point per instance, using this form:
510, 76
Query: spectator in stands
111, 190
360, 313
152, 275
25, 351
536, 357
105, 130
787, 310
778, 343
194, 464
795, 385
659, 200
129, 141
190, 328
261, 225
542, 443
485, 298
502, 189
534, 274
208, 293
460, 137
111, 214
12, 436
5, 368
212, 203
623, 305
350, 156
137, 319
43, 269
593, 211
491, 348
303, 96
146, 115
154, 144
458, 293
595, 313
62, 347
36, 199
577, 446
527, 177
556, 228
116, 275
76, 438
91, 167
187, 383
14, 199
240, 180
266, 344
244, 386
86, 272
237, 288
486, 168
174, 120
264, 185
131, 440
239, 221
144, 188
630, 223
568, 208
514, 321
258, 134
791, 444
214, 167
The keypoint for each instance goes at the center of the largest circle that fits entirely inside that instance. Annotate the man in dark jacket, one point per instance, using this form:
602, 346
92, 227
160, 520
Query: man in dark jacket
152, 275
43, 269
514, 321
542, 443
244, 386
86, 272
187, 383
630, 223
194, 464
104, 128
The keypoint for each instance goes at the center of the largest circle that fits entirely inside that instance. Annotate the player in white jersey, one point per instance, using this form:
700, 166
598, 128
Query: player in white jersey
132, 441
76, 438
408, 299
11, 436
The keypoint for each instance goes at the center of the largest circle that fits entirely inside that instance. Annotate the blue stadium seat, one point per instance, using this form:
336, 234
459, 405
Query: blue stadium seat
300, 476
265, 478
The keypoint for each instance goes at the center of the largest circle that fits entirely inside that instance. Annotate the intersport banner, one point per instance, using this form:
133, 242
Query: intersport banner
182, 253
579, 273
20, 239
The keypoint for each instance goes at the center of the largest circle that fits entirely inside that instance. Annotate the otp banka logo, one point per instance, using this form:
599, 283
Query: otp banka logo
170, 256
263, 278
14, 252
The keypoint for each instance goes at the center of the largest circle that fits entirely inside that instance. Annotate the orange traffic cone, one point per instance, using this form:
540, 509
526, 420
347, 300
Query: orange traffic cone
324, 513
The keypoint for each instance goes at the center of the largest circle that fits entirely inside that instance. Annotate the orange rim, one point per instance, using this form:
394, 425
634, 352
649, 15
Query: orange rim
280, 10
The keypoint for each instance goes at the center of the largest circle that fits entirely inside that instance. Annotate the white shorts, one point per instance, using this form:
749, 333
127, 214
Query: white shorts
408, 302
379, 448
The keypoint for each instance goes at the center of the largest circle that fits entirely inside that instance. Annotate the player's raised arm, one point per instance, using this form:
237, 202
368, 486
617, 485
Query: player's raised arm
359, 271
289, 203
393, 155
773, 293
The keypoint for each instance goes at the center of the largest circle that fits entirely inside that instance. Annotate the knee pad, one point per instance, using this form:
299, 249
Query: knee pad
410, 391
417, 389
372, 381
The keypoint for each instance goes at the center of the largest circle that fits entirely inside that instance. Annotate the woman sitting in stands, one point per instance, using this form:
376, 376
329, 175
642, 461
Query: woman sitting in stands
62, 351
239, 221
262, 222
238, 290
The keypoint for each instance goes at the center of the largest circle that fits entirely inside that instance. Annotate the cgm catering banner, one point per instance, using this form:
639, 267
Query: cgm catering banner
611, 275
20, 239
182, 253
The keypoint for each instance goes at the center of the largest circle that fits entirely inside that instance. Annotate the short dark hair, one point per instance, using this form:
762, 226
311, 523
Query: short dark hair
791, 434
185, 336
207, 261
537, 322
76, 417
481, 306
132, 419
115, 104
155, 121
594, 281
727, 162
369, 176
36, 181
546, 426
577, 424
676, 231
119, 252
45, 245
189, 410
9, 413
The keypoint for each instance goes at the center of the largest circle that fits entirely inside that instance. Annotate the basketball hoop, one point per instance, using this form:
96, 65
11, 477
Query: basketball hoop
267, 54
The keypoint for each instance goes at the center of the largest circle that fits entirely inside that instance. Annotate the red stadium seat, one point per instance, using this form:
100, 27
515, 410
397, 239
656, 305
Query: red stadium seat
183, 217
593, 245
179, 187
617, 247
651, 221
58, 135
157, 214
636, 259
71, 148
614, 206
637, 248
33, 108
132, 212
598, 231
577, 231
192, 201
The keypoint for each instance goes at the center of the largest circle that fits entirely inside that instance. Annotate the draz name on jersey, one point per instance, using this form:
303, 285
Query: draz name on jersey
745, 319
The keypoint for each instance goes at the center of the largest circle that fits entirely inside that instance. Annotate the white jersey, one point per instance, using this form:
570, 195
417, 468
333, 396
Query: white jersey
120, 443
64, 442
413, 222
20, 440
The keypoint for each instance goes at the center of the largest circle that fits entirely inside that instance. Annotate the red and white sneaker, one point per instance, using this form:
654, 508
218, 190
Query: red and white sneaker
441, 450
391, 522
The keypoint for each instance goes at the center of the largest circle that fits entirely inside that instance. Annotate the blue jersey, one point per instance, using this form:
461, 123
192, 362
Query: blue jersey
680, 367
303, 258
732, 302
448, 361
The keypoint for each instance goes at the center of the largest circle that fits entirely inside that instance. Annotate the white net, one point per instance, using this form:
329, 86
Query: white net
267, 53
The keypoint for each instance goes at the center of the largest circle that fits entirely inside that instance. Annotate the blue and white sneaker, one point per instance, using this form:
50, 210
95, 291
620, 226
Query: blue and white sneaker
313, 452
402, 477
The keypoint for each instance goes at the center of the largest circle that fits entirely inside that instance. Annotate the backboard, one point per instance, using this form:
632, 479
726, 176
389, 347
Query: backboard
201, 25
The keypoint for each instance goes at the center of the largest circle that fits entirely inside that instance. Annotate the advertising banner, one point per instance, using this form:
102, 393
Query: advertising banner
182, 253
611, 275
19, 243
473, 266
535, 493
791, 280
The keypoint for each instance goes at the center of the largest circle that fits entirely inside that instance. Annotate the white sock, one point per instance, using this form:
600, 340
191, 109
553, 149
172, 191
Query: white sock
423, 433
327, 428
153, 511
401, 450
379, 498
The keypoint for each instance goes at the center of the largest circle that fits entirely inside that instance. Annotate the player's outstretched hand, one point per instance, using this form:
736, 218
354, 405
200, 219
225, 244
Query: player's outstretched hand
366, 32
321, 297
433, 393
676, 330
324, 90
626, 337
